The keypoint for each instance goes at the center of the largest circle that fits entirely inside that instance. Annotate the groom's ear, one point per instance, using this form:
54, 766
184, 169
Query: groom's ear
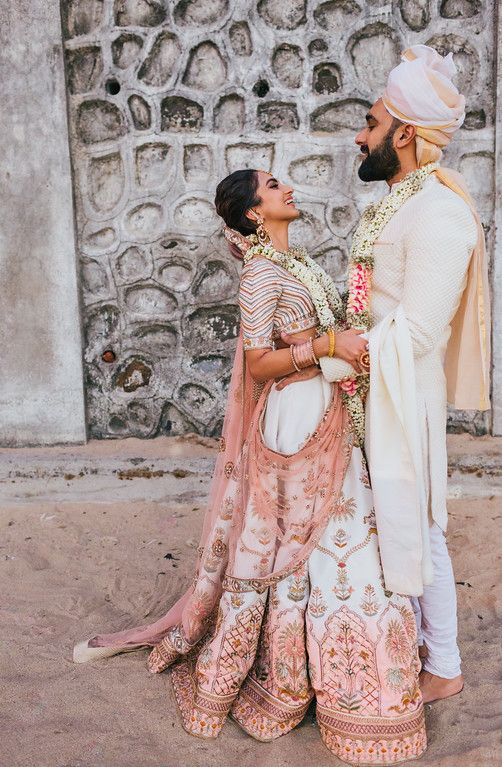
404, 135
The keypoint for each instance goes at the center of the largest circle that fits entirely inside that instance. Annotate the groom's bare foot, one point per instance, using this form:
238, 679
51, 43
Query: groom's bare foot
435, 687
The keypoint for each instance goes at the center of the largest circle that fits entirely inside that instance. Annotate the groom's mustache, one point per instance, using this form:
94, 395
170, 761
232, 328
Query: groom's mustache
364, 149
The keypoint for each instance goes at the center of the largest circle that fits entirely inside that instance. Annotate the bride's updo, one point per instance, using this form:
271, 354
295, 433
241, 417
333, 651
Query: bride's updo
235, 195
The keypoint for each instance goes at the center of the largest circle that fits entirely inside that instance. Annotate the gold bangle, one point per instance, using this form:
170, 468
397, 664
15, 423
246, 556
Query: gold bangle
332, 342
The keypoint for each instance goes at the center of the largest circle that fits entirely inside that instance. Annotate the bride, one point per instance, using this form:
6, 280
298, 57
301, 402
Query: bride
288, 603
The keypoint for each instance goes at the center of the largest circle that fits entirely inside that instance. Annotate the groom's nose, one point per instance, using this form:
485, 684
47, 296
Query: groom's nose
359, 139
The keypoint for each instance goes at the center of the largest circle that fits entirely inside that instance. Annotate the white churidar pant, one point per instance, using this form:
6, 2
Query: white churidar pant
436, 612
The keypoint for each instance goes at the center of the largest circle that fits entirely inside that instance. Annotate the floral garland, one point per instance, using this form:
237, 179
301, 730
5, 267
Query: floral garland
361, 262
325, 296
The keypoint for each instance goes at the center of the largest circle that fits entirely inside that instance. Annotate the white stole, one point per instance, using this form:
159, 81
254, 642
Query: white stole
394, 452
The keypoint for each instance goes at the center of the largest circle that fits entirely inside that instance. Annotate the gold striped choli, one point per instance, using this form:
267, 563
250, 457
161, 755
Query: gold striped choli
272, 302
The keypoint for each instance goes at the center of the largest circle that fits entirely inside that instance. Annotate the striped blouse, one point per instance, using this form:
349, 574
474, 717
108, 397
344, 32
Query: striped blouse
272, 302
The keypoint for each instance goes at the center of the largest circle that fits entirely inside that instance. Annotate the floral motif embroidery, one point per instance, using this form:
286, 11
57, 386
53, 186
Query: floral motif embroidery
356, 740
370, 519
350, 664
342, 589
254, 660
365, 477
340, 538
236, 600
205, 657
219, 548
315, 484
397, 642
227, 509
229, 467
238, 648
263, 535
409, 622
297, 588
291, 665
317, 606
409, 699
305, 323
201, 606
369, 604
345, 508
217, 552
395, 678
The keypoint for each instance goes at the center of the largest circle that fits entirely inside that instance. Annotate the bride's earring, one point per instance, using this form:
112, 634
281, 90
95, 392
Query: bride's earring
261, 232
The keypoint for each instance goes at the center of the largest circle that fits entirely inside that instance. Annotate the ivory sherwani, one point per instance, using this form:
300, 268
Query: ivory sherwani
421, 262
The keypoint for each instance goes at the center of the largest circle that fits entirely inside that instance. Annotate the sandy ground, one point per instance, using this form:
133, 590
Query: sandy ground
104, 536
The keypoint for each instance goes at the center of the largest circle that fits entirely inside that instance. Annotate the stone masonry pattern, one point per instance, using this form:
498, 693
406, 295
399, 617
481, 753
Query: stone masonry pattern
165, 99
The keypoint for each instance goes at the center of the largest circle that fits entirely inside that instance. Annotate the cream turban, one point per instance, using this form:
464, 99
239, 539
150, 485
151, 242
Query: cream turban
420, 92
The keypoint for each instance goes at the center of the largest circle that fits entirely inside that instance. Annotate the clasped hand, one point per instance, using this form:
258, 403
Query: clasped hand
349, 347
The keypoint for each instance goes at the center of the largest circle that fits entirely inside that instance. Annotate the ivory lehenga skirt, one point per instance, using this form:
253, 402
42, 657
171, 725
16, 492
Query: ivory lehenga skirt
328, 630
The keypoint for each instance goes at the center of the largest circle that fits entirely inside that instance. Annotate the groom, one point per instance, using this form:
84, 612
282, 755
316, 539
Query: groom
428, 344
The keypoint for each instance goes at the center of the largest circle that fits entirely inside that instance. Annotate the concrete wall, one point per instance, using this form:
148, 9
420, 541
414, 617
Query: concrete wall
497, 257
41, 386
165, 100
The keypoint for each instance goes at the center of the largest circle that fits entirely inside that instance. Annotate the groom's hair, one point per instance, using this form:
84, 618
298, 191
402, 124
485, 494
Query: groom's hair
235, 195
396, 123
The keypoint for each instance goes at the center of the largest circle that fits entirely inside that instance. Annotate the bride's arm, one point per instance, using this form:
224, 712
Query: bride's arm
349, 343
269, 363
259, 293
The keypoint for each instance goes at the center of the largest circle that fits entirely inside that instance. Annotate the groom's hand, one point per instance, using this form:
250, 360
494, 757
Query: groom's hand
303, 375
350, 346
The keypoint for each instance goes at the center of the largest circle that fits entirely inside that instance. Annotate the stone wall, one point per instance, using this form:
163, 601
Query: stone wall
167, 98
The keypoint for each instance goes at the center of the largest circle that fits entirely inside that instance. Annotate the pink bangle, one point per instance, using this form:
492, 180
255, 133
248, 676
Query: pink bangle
304, 355
311, 342
293, 358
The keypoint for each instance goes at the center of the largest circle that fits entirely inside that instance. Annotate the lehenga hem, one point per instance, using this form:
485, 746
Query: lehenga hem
378, 741
262, 715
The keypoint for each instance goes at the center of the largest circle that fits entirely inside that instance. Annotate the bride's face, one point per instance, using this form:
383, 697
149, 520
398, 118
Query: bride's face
276, 199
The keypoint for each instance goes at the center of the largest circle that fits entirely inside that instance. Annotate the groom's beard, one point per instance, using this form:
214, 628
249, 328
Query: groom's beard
382, 163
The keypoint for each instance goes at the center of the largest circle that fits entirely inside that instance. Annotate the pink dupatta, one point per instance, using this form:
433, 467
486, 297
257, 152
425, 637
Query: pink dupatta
305, 486
290, 497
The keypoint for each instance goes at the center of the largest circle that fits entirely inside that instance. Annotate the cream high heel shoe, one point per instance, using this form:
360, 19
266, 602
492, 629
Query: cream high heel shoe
82, 653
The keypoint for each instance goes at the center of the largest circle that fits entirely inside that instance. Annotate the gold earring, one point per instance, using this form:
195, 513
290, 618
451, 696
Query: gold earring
261, 232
